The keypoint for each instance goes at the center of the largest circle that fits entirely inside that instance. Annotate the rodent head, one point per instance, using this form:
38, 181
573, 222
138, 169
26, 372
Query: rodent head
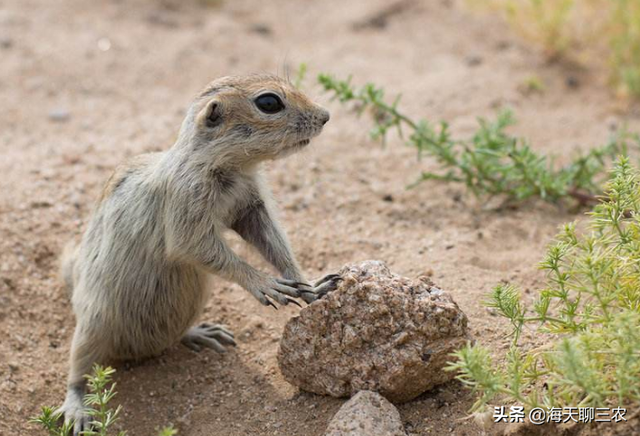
246, 119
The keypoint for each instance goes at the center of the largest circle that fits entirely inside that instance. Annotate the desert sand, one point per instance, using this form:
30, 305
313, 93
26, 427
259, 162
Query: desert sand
84, 85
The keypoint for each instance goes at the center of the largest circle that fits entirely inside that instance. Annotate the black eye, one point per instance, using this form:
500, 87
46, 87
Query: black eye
269, 103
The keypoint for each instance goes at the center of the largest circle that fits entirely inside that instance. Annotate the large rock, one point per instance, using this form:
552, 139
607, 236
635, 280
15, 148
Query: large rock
378, 331
366, 414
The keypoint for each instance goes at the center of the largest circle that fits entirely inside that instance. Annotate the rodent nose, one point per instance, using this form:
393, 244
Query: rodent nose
324, 117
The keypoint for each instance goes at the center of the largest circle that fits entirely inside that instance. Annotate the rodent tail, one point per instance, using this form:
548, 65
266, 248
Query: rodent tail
67, 261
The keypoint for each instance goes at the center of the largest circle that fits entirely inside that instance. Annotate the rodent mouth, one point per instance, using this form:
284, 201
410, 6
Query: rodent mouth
302, 143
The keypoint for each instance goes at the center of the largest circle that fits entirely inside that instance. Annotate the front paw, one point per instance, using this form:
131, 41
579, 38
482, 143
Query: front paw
278, 290
321, 288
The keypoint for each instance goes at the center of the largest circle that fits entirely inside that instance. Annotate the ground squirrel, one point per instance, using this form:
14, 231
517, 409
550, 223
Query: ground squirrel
137, 277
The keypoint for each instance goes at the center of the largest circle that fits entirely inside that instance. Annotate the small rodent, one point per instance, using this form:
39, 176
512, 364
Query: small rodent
137, 278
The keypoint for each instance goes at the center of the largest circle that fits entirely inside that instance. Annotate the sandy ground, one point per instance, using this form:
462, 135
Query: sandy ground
84, 85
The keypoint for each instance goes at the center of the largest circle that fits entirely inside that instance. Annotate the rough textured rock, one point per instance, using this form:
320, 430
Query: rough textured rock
378, 331
366, 414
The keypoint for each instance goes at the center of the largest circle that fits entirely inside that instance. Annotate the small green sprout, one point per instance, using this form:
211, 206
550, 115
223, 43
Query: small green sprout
101, 392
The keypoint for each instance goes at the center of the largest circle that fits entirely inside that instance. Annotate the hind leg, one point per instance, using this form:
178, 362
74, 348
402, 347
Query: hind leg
213, 336
84, 353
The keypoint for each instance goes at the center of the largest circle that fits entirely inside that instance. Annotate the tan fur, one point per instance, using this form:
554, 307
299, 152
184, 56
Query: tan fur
67, 261
157, 231
120, 173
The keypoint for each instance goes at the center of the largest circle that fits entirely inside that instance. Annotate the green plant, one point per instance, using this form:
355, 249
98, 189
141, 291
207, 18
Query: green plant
544, 20
492, 162
300, 75
533, 84
587, 316
581, 30
49, 419
97, 400
625, 45
101, 392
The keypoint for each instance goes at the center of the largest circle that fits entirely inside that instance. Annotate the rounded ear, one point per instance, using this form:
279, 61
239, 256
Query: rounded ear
211, 115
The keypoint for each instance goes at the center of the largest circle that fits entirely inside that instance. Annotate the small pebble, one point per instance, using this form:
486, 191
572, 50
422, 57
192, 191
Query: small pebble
261, 29
473, 60
6, 42
572, 82
104, 44
59, 115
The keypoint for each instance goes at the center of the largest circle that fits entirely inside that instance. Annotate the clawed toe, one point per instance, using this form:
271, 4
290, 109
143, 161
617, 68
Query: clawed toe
282, 291
285, 288
294, 302
75, 420
270, 303
82, 425
328, 285
192, 345
212, 336
328, 278
322, 287
216, 328
292, 283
